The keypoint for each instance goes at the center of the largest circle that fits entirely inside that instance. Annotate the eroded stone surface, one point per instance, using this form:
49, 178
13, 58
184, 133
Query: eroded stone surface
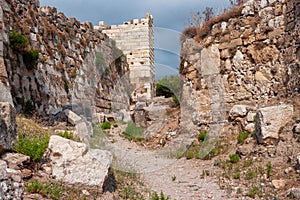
8, 128
74, 163
270, 119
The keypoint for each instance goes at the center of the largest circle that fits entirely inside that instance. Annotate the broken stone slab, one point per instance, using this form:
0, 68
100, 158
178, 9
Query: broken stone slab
8, 127
72, 117
83, 131
75, 164
154, 129
269, 120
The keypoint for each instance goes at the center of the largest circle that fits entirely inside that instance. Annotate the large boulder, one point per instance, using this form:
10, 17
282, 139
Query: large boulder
74, 163
270, 119
8, 127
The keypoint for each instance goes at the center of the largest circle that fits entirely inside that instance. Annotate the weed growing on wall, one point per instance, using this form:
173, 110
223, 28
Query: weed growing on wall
17, 41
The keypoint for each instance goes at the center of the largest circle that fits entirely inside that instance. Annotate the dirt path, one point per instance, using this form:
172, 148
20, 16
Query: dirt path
181, 179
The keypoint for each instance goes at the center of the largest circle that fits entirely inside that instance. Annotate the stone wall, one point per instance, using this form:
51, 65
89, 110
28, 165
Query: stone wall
77, 64
248, 60
136, 40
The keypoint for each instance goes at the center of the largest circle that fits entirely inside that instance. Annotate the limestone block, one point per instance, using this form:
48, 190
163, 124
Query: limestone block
8, 127
72, 117
237, 59
270, 119
210, 60
84, 166
238, 111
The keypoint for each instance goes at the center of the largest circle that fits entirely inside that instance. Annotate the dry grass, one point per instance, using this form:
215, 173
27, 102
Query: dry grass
199, 33
30, 128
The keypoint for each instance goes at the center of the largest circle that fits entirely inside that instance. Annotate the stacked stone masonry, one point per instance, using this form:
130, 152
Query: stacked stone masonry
250, 60
136, 40
76, 63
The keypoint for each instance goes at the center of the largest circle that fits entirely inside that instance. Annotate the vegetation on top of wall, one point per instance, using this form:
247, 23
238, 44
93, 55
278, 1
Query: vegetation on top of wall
203, 25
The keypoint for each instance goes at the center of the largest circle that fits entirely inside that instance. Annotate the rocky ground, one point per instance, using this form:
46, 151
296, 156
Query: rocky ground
140, 168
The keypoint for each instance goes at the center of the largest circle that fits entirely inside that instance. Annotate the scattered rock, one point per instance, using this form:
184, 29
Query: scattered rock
278, 184
296, 128
250, 127
238, 111
15, 160
11, 186
295, 193
251, 116
8, 127
72, 117
288, 170
244, 150
269, 120
74, 163
26, 173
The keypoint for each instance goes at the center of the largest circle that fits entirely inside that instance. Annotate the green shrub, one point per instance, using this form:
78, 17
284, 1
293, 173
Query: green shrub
190, 155
155, 196
34, 187
202, 135
106, 125
133, 132
234, 158
247, 163
67, 135
250, 174
30, 59
175, 100
51, 189
253, 192
34, 148
17, 41
236, 175
242, 137
29, 108
106, 70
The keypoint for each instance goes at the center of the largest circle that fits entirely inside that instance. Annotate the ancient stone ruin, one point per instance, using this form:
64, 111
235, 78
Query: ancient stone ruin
136, 39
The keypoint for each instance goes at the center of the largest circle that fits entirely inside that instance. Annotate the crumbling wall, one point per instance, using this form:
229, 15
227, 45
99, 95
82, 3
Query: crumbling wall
76, 64
136, 40
246, 60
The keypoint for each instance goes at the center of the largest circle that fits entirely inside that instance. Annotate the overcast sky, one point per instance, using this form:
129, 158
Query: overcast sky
170, 18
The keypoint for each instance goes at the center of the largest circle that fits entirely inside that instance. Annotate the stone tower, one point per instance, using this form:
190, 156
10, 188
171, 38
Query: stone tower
136, 40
